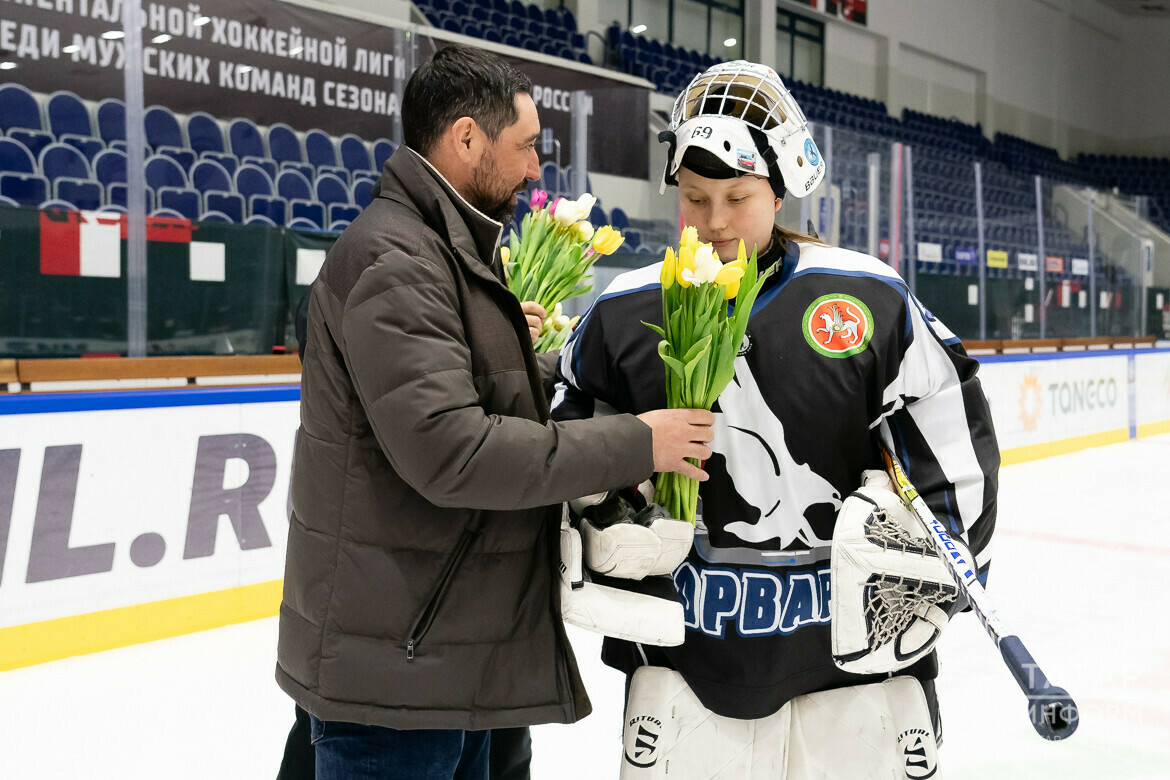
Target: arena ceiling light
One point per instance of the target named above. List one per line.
(113, 35)
(72, 48)
(296, 51)
(202, 20)
(160, 38)
(729, 42)
(7, 65)
(638, 29)
(244, 69)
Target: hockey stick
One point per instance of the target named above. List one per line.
(1052, 711)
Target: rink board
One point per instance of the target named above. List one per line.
(132, 516)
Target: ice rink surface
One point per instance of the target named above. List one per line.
(1082, 552)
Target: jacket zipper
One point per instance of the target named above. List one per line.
(423, 624)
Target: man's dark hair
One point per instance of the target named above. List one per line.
(460, 81)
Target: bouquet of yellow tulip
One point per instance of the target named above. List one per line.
(699, 340)
(549, 261)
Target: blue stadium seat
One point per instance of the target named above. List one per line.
(229, 161)
(116, 195)
(618, 219)
(68, 115)
(184, 157)
(361, 191)
(340, 212)
(230, 204)
(338, 226)
(204, 133)
(251, 180)
(307, 210)
(273, 207)
(25, 188)
(184, 201)
(355, 156)
(15, 157)
(163, 171)
(329, 190)
(260, 219)
(19, 108)
(109, 167)
(284, 145)
(245, 139)
(111, 120)
(167, 213)
(63, 161)
(162, 128)
(319, 149)
(383, 148)
(83, 193)
(217, 217)
(264, 163)
(300, 223)
(8, 202)
(210, 176)
(302, 168)
(57, 205)
(34, 140)
(292, 185)
(87, 145)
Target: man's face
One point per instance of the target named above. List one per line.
(507, 164)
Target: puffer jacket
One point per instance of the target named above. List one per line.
(427, 478)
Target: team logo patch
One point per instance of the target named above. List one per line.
(811, 153)
(838, 325)
(746, 159)
(642, 734)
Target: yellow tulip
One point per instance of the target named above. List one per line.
(728, 274)
(690, 238)
(731, 290)
(686, 263)
(607, 240)
(741, 255)
(668, 264)
(505, 254)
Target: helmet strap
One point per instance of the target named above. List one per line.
(769, 155)
(671, 140)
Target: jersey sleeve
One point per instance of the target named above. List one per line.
(582, 380)
(936, 419)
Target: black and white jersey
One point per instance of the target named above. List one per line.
(838, 356)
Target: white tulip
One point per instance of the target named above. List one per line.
(557, 311)
(707, 267)
(584, 231)
(561, 322)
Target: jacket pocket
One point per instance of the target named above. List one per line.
(426, 618)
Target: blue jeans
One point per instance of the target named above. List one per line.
(351, 751)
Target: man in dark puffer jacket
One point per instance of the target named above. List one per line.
(420, 609)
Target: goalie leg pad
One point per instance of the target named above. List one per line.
(618, 613)
(882, 730)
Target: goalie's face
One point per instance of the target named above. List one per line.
(727, 210)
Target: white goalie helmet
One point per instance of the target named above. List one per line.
(741, 113)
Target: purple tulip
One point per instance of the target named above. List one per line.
(552, 210)
(538, 199)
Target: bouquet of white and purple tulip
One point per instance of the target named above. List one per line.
(699, 340)
(549, 261)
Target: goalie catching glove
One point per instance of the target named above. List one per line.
(891, 595)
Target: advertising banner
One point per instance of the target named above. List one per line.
(1080, 266)
(1034, 402)
(966, 255)
(997, 258)
(1152, 373)
(108, 508)
(929, 253)
(1054, 264)
(1027, 261)
(273, 62)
